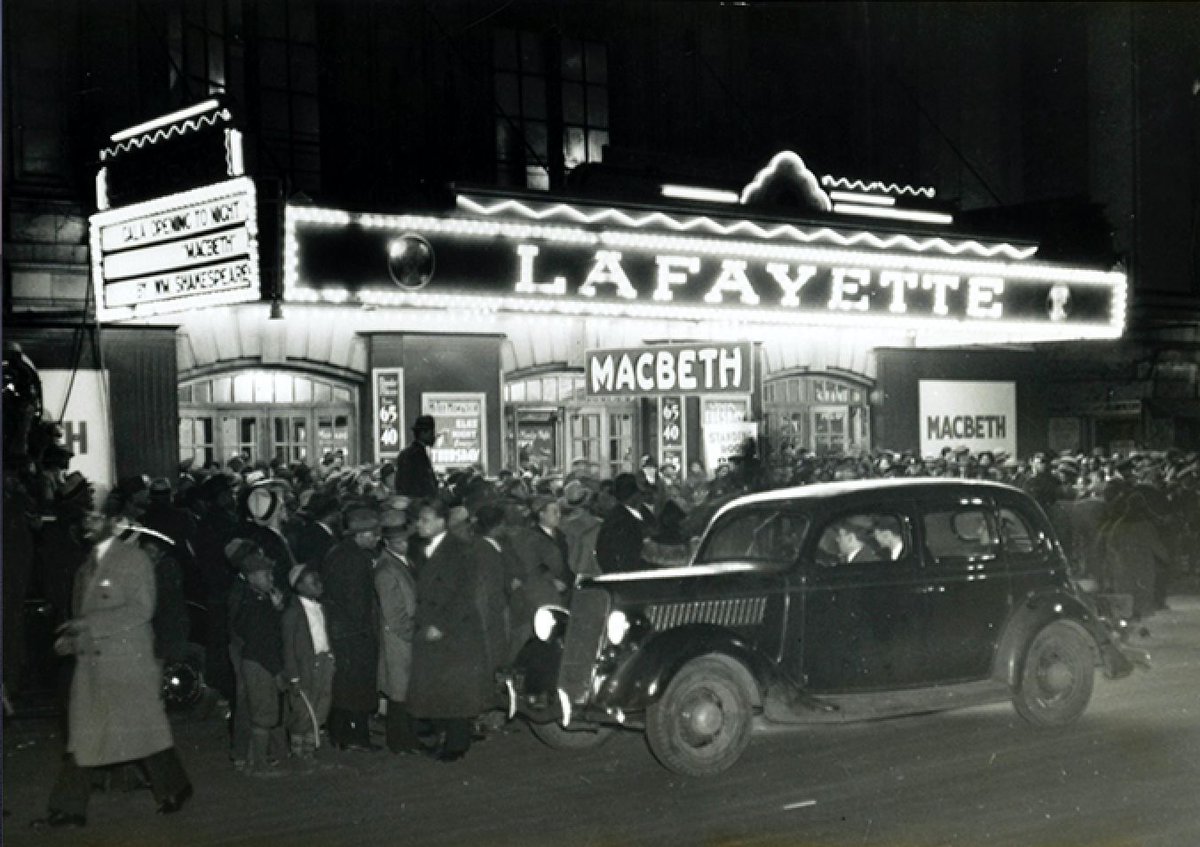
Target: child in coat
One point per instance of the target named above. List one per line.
(307, 662)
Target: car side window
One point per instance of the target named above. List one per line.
(961, 533)
(765, 535)
(1016, 534)
(863, 537)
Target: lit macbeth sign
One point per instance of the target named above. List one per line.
(798, 277)
(686, 368)
(197, 248)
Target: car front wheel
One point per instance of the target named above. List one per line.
(1057, 677)
(701, 725)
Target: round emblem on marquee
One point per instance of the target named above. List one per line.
(1058, 302)
(410, 261)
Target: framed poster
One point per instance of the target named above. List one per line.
(460, 429)
(387, 409)
(86, 421)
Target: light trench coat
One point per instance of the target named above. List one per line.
(116, 712)
(397, 592)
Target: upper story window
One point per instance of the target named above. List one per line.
(551, 99)
(207, 56)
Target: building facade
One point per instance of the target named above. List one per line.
(1019, 122)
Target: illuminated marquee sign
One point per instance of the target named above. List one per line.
(715, 368)
(506, 264)
(194, 249)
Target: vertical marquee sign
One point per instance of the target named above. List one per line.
(671, 448)
(460, 429)
(388, 407)
(192, 249)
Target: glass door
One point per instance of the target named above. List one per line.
(289, 437)
(831, 430)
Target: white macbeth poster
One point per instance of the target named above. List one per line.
(975, 415)
(85, 422)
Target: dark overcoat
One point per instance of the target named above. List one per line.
(299, 655)
(619, 544)
(450, 677)
(414, 472)
(492, 598)
(351, 620)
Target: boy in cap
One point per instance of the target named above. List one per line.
(257, 627)
(307, 662)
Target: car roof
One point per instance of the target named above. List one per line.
(833, 491)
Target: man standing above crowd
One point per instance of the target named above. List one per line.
(414, 470)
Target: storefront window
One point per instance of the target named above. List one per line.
(825, 415)
(266, 414)
(552, 424)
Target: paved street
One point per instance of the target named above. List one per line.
(1128, 775)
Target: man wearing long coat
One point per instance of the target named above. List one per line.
(349, 578)
(451, 684)
(396, 587)
(115, 713)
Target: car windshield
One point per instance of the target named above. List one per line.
(761, 534)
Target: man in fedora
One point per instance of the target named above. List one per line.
(581, 528)
(348, 573)
(414, 470)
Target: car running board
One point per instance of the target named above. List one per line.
(788, 706)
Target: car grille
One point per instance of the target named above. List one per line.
(745, 611)
(585, 631)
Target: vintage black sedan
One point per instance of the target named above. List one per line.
(822, 604)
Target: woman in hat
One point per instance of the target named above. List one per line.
(348, 573)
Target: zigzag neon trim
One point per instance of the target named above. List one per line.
(887, 188)
(190, 125)
(562, 211)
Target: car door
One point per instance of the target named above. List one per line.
(966, 583)
(863, 614)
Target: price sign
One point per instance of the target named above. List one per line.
(388, 405)
(671, 447)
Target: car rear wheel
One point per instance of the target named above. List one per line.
(1057, 677)
(554, 735)
(701, 725)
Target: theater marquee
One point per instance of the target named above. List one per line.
(593, 261)
(196, 248)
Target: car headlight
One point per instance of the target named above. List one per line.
(617, 627)
(545, 621)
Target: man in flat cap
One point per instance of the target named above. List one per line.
(414, 470)
(348, 573)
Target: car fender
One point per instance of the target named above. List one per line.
(643, 676)
(1032, 615)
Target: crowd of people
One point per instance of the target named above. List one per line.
(332, 594)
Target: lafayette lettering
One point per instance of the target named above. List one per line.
(747, 283)
(966, 426)
(702, 369)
